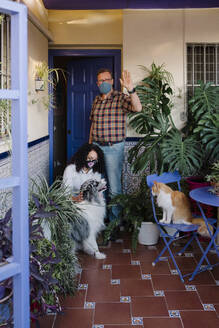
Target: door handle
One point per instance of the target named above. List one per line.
(69, 131)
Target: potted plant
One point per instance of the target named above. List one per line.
(46, 77)
(162, 147)
(213, 177)
(53, 265)
(136, 215)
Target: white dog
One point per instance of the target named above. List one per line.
(93, 209)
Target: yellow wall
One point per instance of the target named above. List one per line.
(86, 27)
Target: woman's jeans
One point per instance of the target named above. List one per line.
(113, 158)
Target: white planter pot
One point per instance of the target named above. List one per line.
(149, 234)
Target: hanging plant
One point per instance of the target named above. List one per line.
(48, 75)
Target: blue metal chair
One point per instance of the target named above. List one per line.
(188, 231)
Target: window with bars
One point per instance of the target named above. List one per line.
(5, 76)
(202, 65)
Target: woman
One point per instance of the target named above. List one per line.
(86, 163)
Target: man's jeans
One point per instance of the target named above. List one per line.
(113, 158)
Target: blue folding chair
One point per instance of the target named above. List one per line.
(188, 231)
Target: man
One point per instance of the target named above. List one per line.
(108, 128)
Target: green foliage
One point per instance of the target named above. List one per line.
(48, 75)
(56, 198)
(183, 154)
(213, 176)
(134, 209)
(163, 147)
(50, 78)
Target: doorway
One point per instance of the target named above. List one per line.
(69, 122)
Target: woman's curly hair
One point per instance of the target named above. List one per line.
(80, 157)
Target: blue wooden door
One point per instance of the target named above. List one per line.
(82, 89)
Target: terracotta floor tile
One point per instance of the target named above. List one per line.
(183, 300)
(112, 313)
(103, 293)
(126, 272)
(184, 263)
(122, 326)
(203, 278)
(76, 301)
(121, 259)
(149, 307)
(135, 287)
(162, 323)
(161, 267)
(208, 294)
(89, 262)
(167, 282)
(216, 306)
(95, 276)
(82, 318)
(145, 255)
(203, 319)
(44, 322)
(215, 272)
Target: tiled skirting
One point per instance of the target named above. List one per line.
(130, 181)
(38, 166)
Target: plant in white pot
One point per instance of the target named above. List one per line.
(136, 215)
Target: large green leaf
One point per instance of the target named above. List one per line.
(182, 155)
(205, 100)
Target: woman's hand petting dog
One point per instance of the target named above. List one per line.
(78, 198)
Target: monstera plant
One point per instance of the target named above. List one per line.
(163, 147)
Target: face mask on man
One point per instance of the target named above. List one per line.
(90, 164)
(105, 88)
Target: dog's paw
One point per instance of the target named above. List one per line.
(100, 256)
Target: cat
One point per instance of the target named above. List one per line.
(176, 208)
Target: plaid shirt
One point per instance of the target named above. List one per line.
(109, 117)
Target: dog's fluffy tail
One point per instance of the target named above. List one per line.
(202, 230)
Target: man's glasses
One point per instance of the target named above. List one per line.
(106, 80)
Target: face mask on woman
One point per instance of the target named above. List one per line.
(90, 164)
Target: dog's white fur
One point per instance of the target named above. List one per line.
(93, 211)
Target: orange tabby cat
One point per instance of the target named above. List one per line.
(176, 207)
